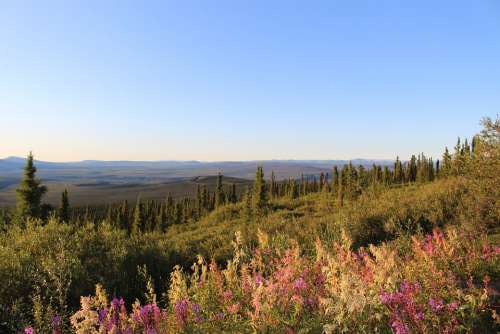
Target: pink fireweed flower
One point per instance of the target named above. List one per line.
(399, 327)
(103, 313)
(452, 306)
(436, 304)
(297, 299)
(29, 330)
(234, 308)
(386, 297)
(227, 295)
(259, 279)
(300, 284)
(196, 308)
(56, 325)
(181, 311)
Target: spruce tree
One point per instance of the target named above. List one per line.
(385, 175)
(124, 215)
(138, 223)
(247, 204)
(29, 193)
(64, 207)
(170, 210)
(303, 185)
(233, 197)
(340, 188)
(446, 164)
(335, 179)
(398, 171)
(219, 192)
(272, 188)
(259, 196)
(199, 202)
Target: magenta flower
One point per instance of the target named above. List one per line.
(181, 311)
(452, 306)
(300, 284)
(399, 327)
(436, 304)
(29, 330)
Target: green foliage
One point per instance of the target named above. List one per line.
(30, 192)
(64, 213)
(46, 266)
(260, 194)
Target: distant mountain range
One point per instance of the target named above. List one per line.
(94, 181)
(171, 169)
(15, 163)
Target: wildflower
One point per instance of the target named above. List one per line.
(300, 284)
(56, 325)
(436, 304)
(196, 308)
(386, 298)
(102, 315)
(29, 330)
(181, 311)
(452, 306)
(297, 299)
(234, 308)
(258, 280)
(399, 327)
(227, 295)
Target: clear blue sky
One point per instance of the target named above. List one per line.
(245, 80)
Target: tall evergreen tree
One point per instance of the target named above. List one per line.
(170, 209)
(233, 197)
(64, 207)
(398, 171)
(125, 216)
(335, 179)
(340, 188)
(259, 197)
(247, 204)
(30, 191)
(386, 175)
(446, 164)
(219, 192)
(138, 223)
(199, 202)
(272, 188)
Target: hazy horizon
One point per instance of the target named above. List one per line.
(245, 81)
(197, 160)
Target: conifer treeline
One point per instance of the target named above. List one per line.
(344, 183)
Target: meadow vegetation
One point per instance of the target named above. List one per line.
(414, 248)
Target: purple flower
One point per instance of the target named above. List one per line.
(386, 297)
(196, 307)
(452, 306)
(29, 330)
(56, 321)
(399, 327)
(102, 315)
(300, 284)
(227, 295)
(181, 311)
(436, 304)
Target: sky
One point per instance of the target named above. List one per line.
(245, 80)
